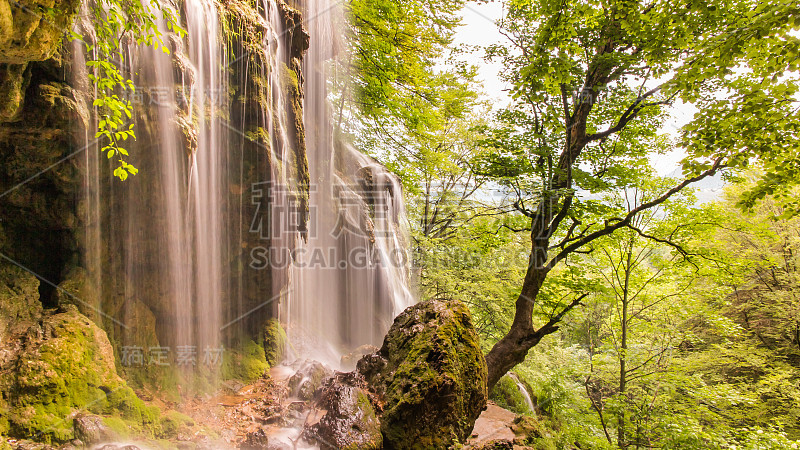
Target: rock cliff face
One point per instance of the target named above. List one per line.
(39, 114)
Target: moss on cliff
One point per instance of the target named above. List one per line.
(19, 300)
(14, 79)
(506, 393)
(246, 363)
(32, 30)
(67, 365)
(275, 342)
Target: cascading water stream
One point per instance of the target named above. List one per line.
(208, 167)
(524, 391)
(155, 244)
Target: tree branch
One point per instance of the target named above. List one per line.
(610, 228)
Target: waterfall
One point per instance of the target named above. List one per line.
(349, 280)
(208, 171)
(524, 391)
(156, 243)
(228, 168)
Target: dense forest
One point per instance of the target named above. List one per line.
(605, 253)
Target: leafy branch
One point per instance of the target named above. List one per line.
(118, 23)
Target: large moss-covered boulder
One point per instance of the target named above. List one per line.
(431, 376)
(66, 365)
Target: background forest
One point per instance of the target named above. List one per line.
(667, 315)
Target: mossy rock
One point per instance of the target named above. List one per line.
(275, 342)
(91, 429)
(431, 375)
(174, 423)
(350, 422)
(530, 431)
(506, 393)
(66, 365)
(246, 363)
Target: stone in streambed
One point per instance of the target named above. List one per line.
(308, 378)
(430, 375)
(350, 421)
(90, 429)
(256, 440)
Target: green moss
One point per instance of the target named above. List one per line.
(13, 83)
(533, 432)
(30, 37)
(275, 342)
(289, 79)
(507, 395)
(70, 369)
(247, 363)
(365, 405)
(118, 426)
(173, 423)
(6, 22)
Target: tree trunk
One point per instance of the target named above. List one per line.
(623, 358)
(513, 347)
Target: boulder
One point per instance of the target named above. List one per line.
(430, 375)
(350, 421)
(309, 377)
(90, 429)
(256, 440)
